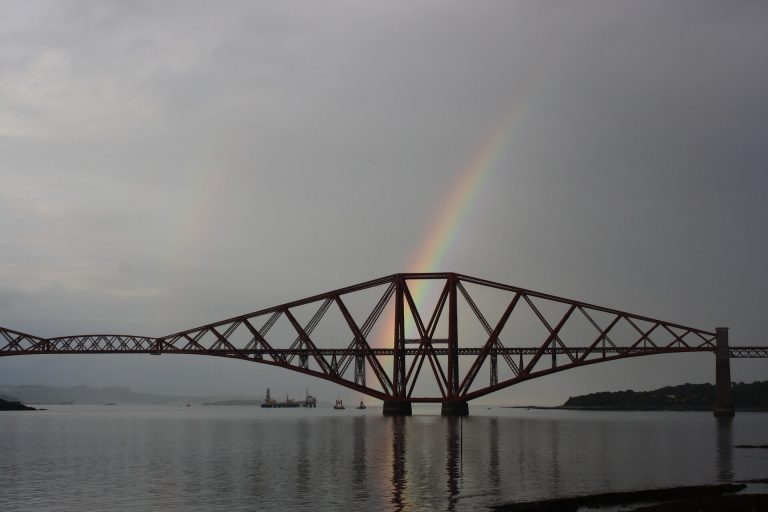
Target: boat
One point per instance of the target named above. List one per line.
(362, 405)
(338, 405)
(268, 401)
(309, 401)
(271, 403)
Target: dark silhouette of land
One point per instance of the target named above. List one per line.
(703, 498)
(746, 397)
(39, 394)
(6, 405)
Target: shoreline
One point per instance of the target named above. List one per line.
(703, 498)
(6, 405)
(627, 409)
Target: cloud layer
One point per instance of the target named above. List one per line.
(168, 164)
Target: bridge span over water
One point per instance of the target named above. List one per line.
(375, 338)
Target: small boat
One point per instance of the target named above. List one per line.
(361, 406)
(338, 405)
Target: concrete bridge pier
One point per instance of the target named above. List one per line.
(397, 408)
(455, 408)
(723, 400)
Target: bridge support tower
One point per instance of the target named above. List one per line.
(399, 405)
(723, 400)
(455, 408)
(397, 408)
(453, 405)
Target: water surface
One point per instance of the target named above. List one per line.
(113, 458)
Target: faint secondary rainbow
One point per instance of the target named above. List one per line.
(446, 224)
(193, 219)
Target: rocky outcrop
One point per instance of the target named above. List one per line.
(14, 406)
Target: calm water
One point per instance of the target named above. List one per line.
(112, 458)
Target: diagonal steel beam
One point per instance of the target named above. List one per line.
(437, 368)
(550, 338)
(307, 341)
(362, 343)
(492, 340)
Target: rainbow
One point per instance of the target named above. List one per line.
(447, 222)
(445, 227)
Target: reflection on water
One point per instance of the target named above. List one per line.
(454, 460)
(359, 460)
(554, 436)
(725, 449)
(239, 459)
(302, 458)
(399, 473)
(493, 452)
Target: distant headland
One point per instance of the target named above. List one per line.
(6, 405)
(53, 395)
(686, 397)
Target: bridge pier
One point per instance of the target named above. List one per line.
(723, 406)
(397, 408)
(454, 408)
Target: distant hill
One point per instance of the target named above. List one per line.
(752, 396)
(90, 395)
(234, 402)
(82, 395)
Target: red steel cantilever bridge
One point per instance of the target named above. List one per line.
(433, 352)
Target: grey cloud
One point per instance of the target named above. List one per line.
(241, 155)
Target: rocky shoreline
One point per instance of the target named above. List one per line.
(14, 406)
(702, 498)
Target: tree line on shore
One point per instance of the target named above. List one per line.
(746, 396)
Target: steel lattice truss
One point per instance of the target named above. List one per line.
(461, 326)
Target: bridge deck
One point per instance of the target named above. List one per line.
(565, 334)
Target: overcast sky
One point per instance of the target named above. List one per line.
(168, 164)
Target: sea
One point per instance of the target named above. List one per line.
(244, 458)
